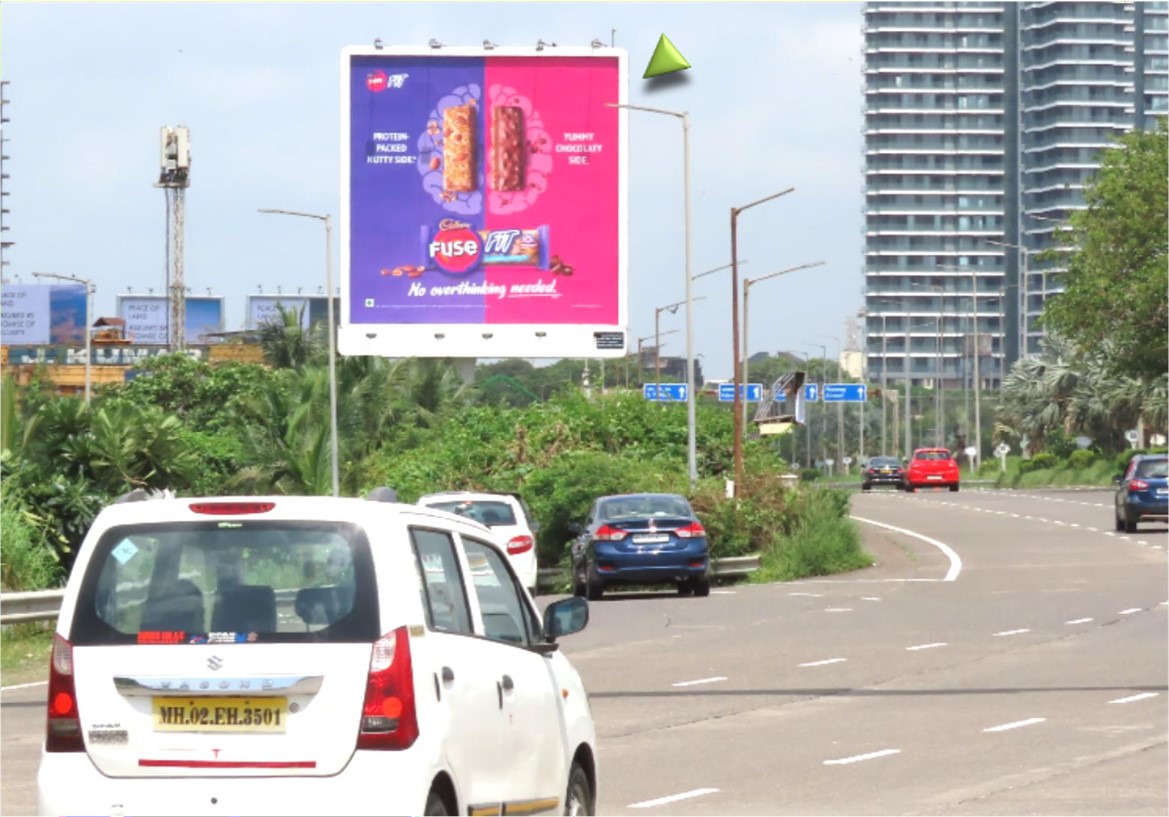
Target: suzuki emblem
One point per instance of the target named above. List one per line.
(215, 662)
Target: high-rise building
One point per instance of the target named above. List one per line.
(983, 121)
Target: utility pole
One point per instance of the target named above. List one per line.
(4, 242)
(174, 178)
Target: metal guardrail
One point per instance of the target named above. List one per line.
(45, 605)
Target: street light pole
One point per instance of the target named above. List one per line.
(88, 323)
(328, 222)
(691, 442)
(747, 282)
(672, 308)
(823, 405)
(738, 421)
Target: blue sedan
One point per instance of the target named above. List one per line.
(640, 539)
(1142, 491)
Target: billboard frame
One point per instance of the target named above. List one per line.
(482, 340)
(122, 297)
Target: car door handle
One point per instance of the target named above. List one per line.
(448, 675)
(508, 684)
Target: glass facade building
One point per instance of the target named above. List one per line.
(982, 123)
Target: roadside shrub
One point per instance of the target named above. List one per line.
(1082, 458)
(26, 560)
(747, 523)
(823, 541)
(1039, 462)
(809, 474)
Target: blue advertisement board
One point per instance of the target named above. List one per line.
(147, 318)
(42, 314)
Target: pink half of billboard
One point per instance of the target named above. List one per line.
(484, 202)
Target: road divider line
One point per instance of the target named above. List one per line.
(955, 559)
(1129, 611)
(822, 663)
(672, 798)
(837, 609)
(1078, 621)
(1132, 698)
(700, 681)
(1014, 632)
(857, 758)
(24, 686)
(927, 646)
(811, 595)
(870, 598)
(1016, 725)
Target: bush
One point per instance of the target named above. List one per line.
(1039, 462)
(1082, 458)
(809, 474)
(746, 524)
(823, 541)
(26, 560)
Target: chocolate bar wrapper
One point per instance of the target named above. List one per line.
(507, 148)
(458, 149)
(516, 247)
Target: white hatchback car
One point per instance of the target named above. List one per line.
(308, 655)
(507, 515)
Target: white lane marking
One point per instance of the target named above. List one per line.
(1109, 533)
(1074, 524)
(1129, 611)
(812, 595)
(1004, 727)
(673, 798)
(1094, 530)
(870, 598)
(24, 686)
(927, 646)
(837, 609)
(1028, 517)
(722, 592)
(822, 663)
(1132, 698)
(700, 681)
(1142, 542)
(1014, 516)
(1014, 632)
(1078, 621)
(955, 559)
(1058, 522)
(857, 758)
(1041, 519)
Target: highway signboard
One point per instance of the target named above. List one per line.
(845, 392)
(811, 392)
(670, 392)
(726, 392)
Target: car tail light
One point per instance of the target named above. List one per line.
(519, 544)
(63, 726)
(1138, 485)
(605, 533)
(231, 508)
(388, 717)
(691, 531)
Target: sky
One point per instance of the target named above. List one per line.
(774, 96)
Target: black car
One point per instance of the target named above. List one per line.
(883, 471)
(640, 539)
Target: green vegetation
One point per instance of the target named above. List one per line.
(822, 541)
(24, 653)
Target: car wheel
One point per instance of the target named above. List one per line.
(1130, 523)
(578, 583)
(684, 588)
(579, 798)
(866, 487)
(593, 587)
(1119, 523)
(954, 488)
(435, 805)
(701, 587)
(909, 489)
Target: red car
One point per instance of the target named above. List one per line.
(930, 468)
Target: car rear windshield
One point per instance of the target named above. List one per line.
(625, 506)
(1152, 469)
(878, 462)
(489, 512)
(932, 455)
(228, 582)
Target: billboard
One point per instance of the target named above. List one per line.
(264, 308)
(147, 318)
(42, 314)
(483, 206)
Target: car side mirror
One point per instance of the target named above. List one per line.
(1116, 480)
(574, 528)
(565, 617)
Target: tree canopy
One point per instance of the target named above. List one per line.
(1117, 282)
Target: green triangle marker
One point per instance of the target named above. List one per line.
(665, 60)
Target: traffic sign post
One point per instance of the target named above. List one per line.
(670, 392)
(1001, 451)
(726, 392)
(845, 392)
(811, 392)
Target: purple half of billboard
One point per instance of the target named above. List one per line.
(147, 319)
(313, 309)
(483, 206)
(42, 314)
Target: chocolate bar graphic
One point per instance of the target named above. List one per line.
(458, 149)
(507, 148)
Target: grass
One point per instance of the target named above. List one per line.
(824, 542)
(24, 653)
(26, 561)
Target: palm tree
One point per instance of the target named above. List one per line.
(287, 344)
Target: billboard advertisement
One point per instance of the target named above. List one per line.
(42, 314)
(483, 204)
(147, 318)
(265, 308)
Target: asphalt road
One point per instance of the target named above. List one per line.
(1015, 661)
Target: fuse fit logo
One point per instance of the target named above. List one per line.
(454, 247)
(458, 248)
(378, 81)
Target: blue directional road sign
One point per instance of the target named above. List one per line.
(811, 392)
(726, 392)
(670, 393)
(845, 392)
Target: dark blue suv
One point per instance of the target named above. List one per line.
(1142, 491)
(640, 539)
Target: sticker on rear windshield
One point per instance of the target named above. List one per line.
(224, 638)
(161, 637)
(124, 552)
